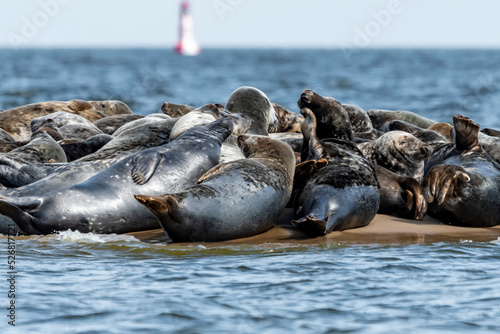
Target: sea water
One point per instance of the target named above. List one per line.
(86, 283)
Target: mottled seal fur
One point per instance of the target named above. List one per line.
(343, 194)
(360, 121)
(175, 110)
(105, 202)
(400, 152)
(233, 200)
(463, 188)
(287, 121)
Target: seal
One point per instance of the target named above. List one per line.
(400, 195)
(175, 110)
(5, 137)
(19, 165)
(77, 149)
(105, 202)
(110, 107)
(428, 136)
(56, 176)
(110, 124)
(253, 105)
(16, 121)
(464, 187)
(333, 119)
(50, 127)
(381, 118)
(149, 118)
(343, 194)
(360, 122)
(200, 116)
(287, 121)
(256, 188)
(487, 131)
(444, 129)
(70, 126)
(400, 152)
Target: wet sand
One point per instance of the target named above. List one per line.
(383, 229)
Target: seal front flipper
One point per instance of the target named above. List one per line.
(145, 167)
(445, 183)
(17, 212)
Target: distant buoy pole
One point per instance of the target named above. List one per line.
(187, 45)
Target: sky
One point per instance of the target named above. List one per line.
(252, 23)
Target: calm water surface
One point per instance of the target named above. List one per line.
(84, 283)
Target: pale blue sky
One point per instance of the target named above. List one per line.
(253, 23)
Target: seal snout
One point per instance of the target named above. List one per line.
(306, 97)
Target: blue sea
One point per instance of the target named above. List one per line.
(86, 283)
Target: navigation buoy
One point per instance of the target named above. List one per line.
(187, 45)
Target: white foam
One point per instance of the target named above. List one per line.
(76, 236)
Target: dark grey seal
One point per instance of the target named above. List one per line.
(233, 200)
(463, 185)
(343, 194)
(56, 176)
(105, 202)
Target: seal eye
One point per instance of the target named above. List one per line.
(103, 105)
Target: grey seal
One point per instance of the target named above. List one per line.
(105, 202)
(463, 186)
(233, 200)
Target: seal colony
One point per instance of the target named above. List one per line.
(227, 171)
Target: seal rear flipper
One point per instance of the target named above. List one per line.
(163, 207)
(145, 167)
(466, 133)
(23, 220)
(312, 226)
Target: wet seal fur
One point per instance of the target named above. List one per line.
(343, 194)
(105, 202)
(55, 176)
(463, 186)
(233, 200)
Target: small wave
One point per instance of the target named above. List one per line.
(76, 236)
